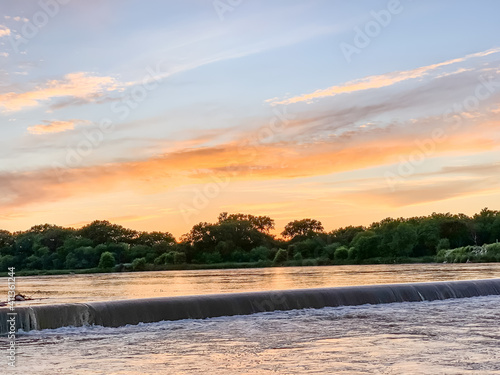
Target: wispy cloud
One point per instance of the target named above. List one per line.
(378, 81)
(55, 126)
(422, 192)
(239, 162)
(78, 85)
(84, 87)
(271, 43)
(16, 18)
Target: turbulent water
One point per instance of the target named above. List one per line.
(459, 336)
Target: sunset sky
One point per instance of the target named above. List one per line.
(157, 115)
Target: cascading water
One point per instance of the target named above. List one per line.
(123, 312)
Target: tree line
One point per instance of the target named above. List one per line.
(238, 239)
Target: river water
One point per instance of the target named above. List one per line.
(105, 287)
(457, 336)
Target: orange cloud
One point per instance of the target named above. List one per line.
(378, 81)
(77, 85)
(232, 162)
(54, 126)
(421, 192)
(4, 31)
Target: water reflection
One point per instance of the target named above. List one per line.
(101, 287)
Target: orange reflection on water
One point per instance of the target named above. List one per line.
(103, 287)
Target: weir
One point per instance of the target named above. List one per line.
(149, 310)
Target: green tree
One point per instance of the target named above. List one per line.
(6, 242)
(281, 256)
(51, 236)
(404, 240)
(139, 264)
(82, 257)
(179, 258)
(263, 224)
(230, 233)
(366, 245)
(300, 229)
(138, 251)
(341, 253)
(308, 248)
(155, 238)
(427, 238)
(329, 250)
(443, 244)
(107, 260)
(71, 243)
(457, 229)
(495, 230)
(7, 261)
(344, 236)
(42, 258)
(102, 231)
(260, 253)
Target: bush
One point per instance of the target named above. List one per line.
(119, 250)
(34, 262)
(82, 257)
(7, 261)
(162, 259)
(443, 244)
(139, 264)
(172, 257)
(428, 259)
(352, 253)
(309, 262)
(341, 253)
(329, 250)
(485, 253)
(211, 258)
(179, 258)
(107, 260)
(139, 251)
(281, 256)
(239, 256)
(309, 248)
(323, 261)
(493, 249)
(260, 253)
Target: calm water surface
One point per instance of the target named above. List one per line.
(103, 287)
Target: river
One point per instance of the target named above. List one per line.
(113, 286)
(455, 336)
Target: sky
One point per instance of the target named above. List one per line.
(159, 115)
